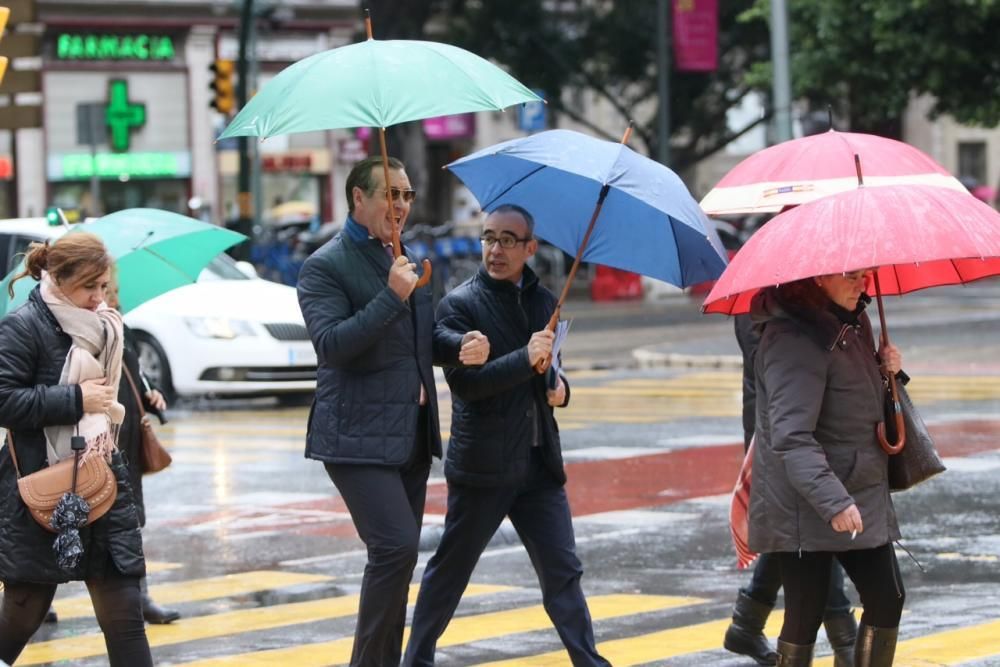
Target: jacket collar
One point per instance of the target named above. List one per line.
(35, 297)
(825, 326)
(529, 280)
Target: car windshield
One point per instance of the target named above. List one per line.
(223, 267)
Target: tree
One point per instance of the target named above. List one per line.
(866, 58)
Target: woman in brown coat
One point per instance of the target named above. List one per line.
(820, 488)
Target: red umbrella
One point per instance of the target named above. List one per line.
(919, 236)
(916, 235)
(803, 170)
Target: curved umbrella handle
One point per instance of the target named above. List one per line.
(426, 275)
(900, 428)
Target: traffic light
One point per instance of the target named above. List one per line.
(222, 83)
(4, 15)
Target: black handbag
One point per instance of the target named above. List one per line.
(919, 460)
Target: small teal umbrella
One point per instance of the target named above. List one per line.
(155, 251)
(377, 83)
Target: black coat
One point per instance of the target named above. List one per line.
(500, 409)
(819, 398)
(31, 398)
(374, 351)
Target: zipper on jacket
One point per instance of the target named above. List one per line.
(840, 336)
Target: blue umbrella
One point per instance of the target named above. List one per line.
(646, 220)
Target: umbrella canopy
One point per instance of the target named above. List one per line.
(376, 83)
(155, 251)
(803, 170)
(649, 222)
(917, 235)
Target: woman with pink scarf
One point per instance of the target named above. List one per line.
(59, 371)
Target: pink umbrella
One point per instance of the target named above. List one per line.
(803, 170)
(916, 235)
(984, 193)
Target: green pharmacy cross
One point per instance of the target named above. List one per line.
(122, 116)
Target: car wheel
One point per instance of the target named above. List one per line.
(154, 364)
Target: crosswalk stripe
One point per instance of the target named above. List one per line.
(461, 630)
(215, 625)
(648, 647)
(200, 589)
(951, 647)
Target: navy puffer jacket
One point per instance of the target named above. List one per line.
(499, 410)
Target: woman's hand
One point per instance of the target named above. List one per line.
(97, 396)
(848, 520)
(156, 399)
(892, 358)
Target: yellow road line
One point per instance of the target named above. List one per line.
(461, 630)
(201, 589)
(215, 625)
(153, 566)
(952, 647)
(649, 647)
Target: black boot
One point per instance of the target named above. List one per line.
(876, 647)
(51, 616)
(745, 635)
(841, 631)
(152, 612)
(794, 655)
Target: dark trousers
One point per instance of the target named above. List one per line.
(118, 606)
(766, 582)
(387, 506)
(805, 577)
(540, 513)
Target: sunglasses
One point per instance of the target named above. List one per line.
(407, 195)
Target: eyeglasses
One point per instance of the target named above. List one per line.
(855, 276)
(506, 241)
(407, 195)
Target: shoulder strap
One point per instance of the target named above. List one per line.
(13, 454)
(135, 391)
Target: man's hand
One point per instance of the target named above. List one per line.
(97, 396)
(557, 396)
(403, 277)
(540, 346)
(848, 520)
(475, 349)
(892, 358)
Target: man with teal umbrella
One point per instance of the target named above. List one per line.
(374, 421)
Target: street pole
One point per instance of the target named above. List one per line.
(244, 198)
(663, 78)
(782, 84)
(94, 122)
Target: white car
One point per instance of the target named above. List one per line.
(228, 334)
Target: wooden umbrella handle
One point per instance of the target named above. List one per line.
(397, 244)
(543, 364)
(888, 447)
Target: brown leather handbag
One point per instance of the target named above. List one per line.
(42, 490)
(153, 456)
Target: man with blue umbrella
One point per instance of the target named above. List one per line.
(374, 422)
(504, 457)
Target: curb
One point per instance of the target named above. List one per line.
(649, 358)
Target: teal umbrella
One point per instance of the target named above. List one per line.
(377, 84)
(155, 251)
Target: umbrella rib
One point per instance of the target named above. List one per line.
(466, 75)
(168, 263)
(514, 185)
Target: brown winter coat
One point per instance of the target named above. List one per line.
(820, 396)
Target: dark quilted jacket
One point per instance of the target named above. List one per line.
(34, 349)
(374, 351)
(499, 410)
(819, 398)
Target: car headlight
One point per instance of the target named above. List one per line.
(219, 327)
